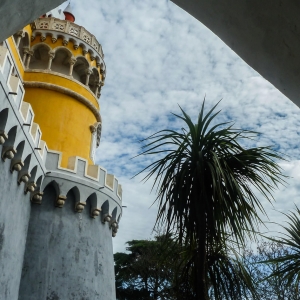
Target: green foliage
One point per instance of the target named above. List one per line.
(289, 262)
(151, 270)
(205, 189)
(268, 284)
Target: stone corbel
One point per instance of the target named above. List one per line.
(96, 128)
(32, 37)
(114, 226)
(16, 165)
(65, 42)
(84, 51)
(60, 202)
(79, 206)
(3, 137)
(106, 218)
(30, 187)
(8, 152)
(43, 37)
(37, 197)
(54, 38)
(95, 212)
(23, 177)
(93, 128)
(75, 46)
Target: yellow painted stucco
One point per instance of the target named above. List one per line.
(62, 81)
(64, 122)
(16, 57)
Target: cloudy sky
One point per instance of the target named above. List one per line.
(157, 56)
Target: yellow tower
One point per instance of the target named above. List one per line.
(64, 73)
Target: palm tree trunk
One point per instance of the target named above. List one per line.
(200, 260)
(200, 264)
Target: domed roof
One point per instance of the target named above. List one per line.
(69, 13)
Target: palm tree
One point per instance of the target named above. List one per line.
(205, 181)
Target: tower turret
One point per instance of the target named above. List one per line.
(68, 12)
(59, 211)
(65, 72)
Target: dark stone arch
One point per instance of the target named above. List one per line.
(91, 206)
(3, 121)
(33, 173)
(11, 136)
(80, 69)
(54, 185)
(40, 56)
(114, 214)
(39, 182)
(105, 207)
(61, 60)
(94, 80)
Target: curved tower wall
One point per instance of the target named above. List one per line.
(22, 169)
(69, 248)
(58, 211)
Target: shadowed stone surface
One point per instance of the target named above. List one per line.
(68, 255)
(14, 217)
(14, 15)
(265, 34)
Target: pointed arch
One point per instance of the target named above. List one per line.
(40, 58)
(19, 154)
(3, 119)
(55, 186)
(22, 41)
(94, 80)
(39, 182)
(75, 192)
(11, 136)
(61, 60)
(33, 173)
(80, 69)
(119, 218)
(105, 207)
(114, 214)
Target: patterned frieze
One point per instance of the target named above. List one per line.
(56, 27)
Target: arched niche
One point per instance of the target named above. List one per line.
(80, 69)
(94, 80)
(61, 61)
(22, 41)
(74, 191)
(53, 189)
(3, 119)
(40, 58)
(114, 214)
(11, 136)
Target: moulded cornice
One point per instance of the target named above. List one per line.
(63, 90)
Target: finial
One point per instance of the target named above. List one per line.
(68, 12)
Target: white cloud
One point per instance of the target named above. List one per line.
(157, 56)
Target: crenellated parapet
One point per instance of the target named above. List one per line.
(26, 154)
(20, 137)
(89, 183)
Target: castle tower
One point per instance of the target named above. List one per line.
(58, 211)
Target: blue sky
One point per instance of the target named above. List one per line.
(158, 57)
